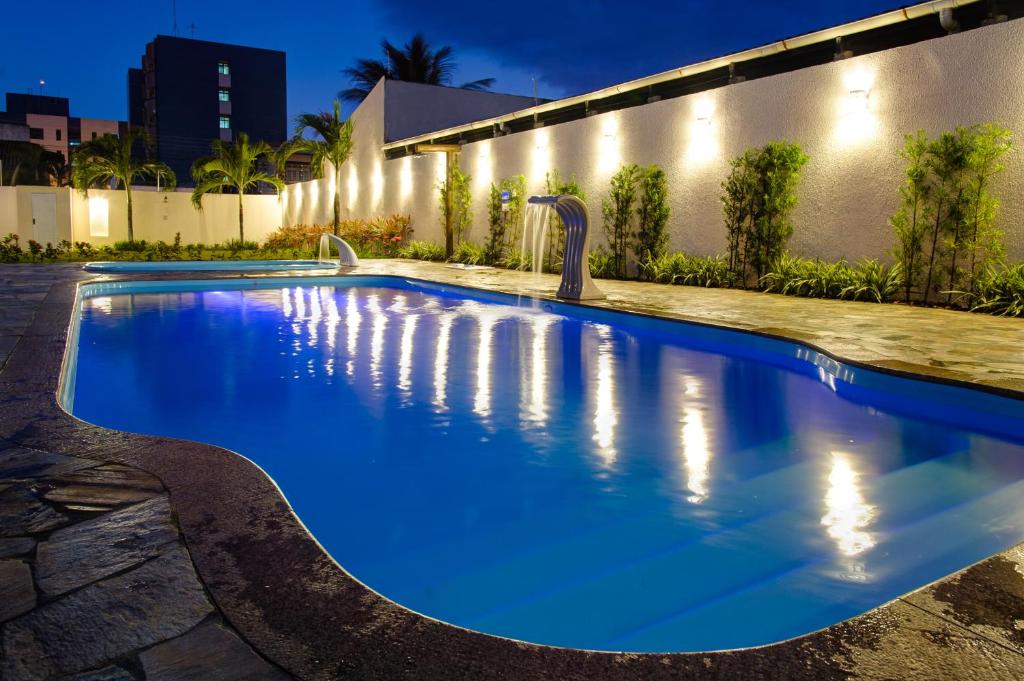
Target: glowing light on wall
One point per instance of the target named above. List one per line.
(540, 162)
(444, 336)
(693, 441)
(99, 216)
(405, 178)
(609, 155)
(440, 167)
(353, 186)
(605, 413)
(702, 142)
(847, 513)
(377, 185)
(857, 122)
(483, 173)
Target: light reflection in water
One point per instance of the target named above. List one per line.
(353, 319)
(333, 319)
(405, 356)
(380, 322)
(315, 313)
(482, 401)
(102, 303)
(847, 515)
(693, 441)
(444, 335)
(286, 302)
(536, 397)
(605, 415)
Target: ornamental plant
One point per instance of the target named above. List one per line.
(758, 197)
(504, 225)
(456, 214)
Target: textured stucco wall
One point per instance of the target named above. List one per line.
(848, 189)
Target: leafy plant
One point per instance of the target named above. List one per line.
(469, 253)
(503, 225)
(869, 280)
(680, 268)
(233, 165)
(759, 195)
(652, 214)
(10, 249)
(874, 282)
(617, 211)
(1000, 291)
(601, 264)
(111, 160)
(517, 260)
(945, 227)
(422, 250)
(456, 206)
(380, 236)
(333, 144)
(296, 236)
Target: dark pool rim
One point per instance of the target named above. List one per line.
(201, 266)
(247, 543)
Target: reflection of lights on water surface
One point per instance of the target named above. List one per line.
(693, 441)
(847, 513)
(605, 416)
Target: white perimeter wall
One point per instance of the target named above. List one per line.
(158, 215)
(848, 188)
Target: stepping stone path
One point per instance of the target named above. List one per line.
(96, 583)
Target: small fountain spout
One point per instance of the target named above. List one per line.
(576, 283)
(346, 255)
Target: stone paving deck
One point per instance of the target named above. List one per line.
(128, 557)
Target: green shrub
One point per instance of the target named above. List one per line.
(652, 214)
(874, 282)
(617, 211)
(516, 260)
(130, 246)
(1000, 291)
(422, 250)
(945, 225)
(456, 206)
(601, 264)
(10, 249)
(503, 225)
(869, 280)
(468, 253)
(680, 268)
(759, 195)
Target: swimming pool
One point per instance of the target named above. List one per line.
(561, 474)
(208, 266)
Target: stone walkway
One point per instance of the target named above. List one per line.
(96, 583)
(126, 557)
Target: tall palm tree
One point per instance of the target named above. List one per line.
(109, 159)
(232, 166)
(333, 144)
(417, 62)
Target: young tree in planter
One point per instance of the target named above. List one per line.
(108, 159)
(760, 193)
(617, 214)
(460, 206)
(652, 213)
(911, 219)
(503, 221)
(333, 145)
(233, 165)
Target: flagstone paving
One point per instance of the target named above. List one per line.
(120, 560)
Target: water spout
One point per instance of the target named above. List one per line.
(346, 256)
(576, 283)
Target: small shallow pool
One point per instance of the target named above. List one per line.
(208, 266)
(561, 474)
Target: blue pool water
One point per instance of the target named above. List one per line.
(207, 266)
(564, 475)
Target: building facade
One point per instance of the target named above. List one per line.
(188, 93)
(50, 124)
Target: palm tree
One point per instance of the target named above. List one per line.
(232, 166)
(334, 144)
(417, 62)
(109, 159)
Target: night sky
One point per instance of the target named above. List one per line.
(83, 50)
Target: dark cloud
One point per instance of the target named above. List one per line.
(577, 46)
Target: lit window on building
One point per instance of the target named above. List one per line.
(223, 68)
(224, 95)
(225, 122)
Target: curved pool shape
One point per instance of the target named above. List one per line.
(208, 266)
(561, 474)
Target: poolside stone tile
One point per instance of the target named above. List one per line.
(90, 550)
(22, 512)
(111, 673)
(207, 653)
(17, 595)
(106, 620)
(19, 462)
(987, 598)
(16, 546)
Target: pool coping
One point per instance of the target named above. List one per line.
(296, 605)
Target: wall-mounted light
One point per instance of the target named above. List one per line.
(702, 138)
(703, 112)
(857, 121)
(858, 99)
(609, 155)
(541, 162)
(353, 186)
(99, 216)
